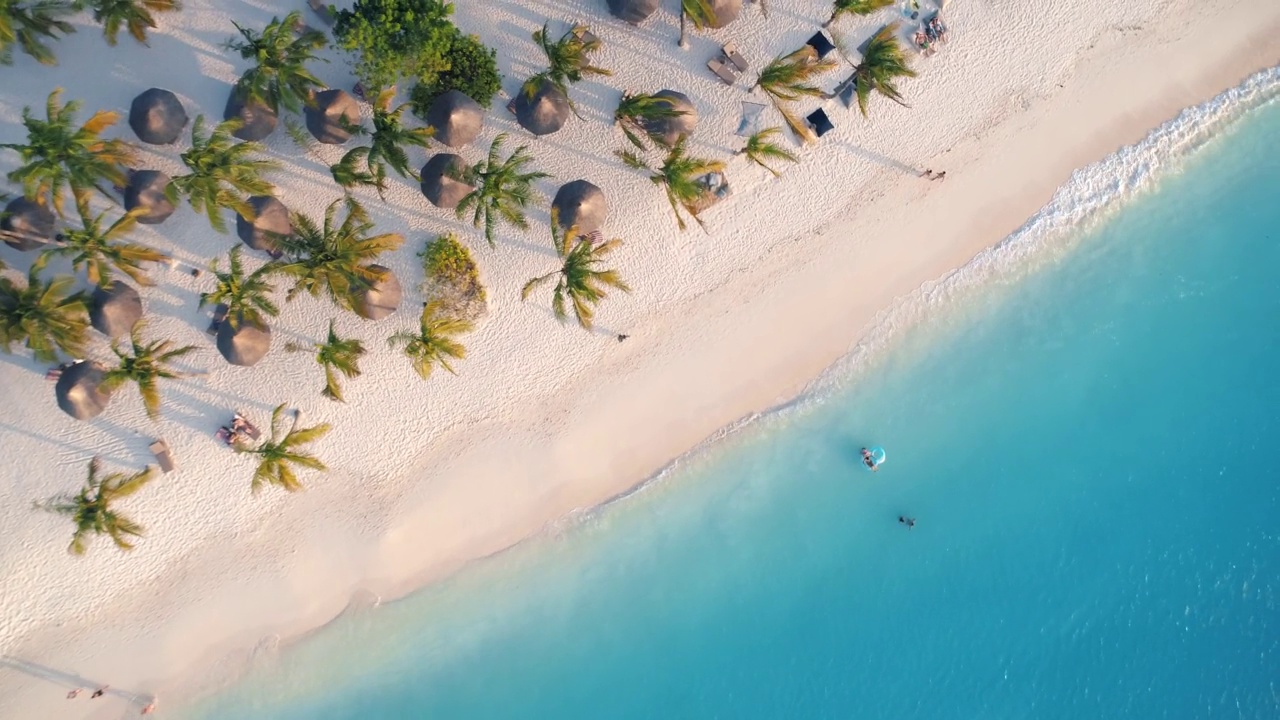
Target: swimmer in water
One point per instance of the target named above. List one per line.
(909, 522)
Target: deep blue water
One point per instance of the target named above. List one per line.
(1090, 452)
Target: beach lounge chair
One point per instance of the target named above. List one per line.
(164, 458)
(731, 53)
(725, 72)
(219, 314)
(750, 122)
(820, 123)
(821, 43)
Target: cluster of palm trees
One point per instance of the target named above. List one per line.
(29, 25)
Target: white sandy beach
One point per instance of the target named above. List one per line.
(542, 419)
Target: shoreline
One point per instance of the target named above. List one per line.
(491, 491)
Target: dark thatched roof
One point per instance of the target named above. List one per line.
(382, 299)
(26, 225)
(270, 223)
(440, 181)
(674, 129)
(331, 115)
(582, 205)
(545, 111)
(259, 120)
(157, 117)
(633, 11)
(456, 119)
(244, 345)
(79, 391)
(726, 11)
(115, 309)
(146, 190)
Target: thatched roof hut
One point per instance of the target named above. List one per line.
(674, 129)
(146, 190)
(725, 11)
(582, 205)
(115, 309)
(545, 111)
(331, 115)
(456, 119)
(440, 181)
(79, 390)
(157, 117)
(633, 11)
(259, 120)
(26, 225)
(382, 299)
(270, 223)
(246, 344)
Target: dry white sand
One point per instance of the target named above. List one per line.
(541, 419)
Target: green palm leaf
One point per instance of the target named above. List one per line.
(91, 509)
(883, 62)
(98, 252)
(278, 453)
(760, 147)
(222, 173)
(28, 24)
(638, 114)
(580, 277)
(247, 297)
(134, 16)
(789, 78)
(46, 316)
(336, 257)
(433, 343)
(503, 189)
(336, 356)
(855, 7)
(280, 54)
(144, 364)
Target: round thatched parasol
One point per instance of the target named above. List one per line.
(270, 223)
(725, 11)
(115, 309)
(146, 190)
(331, 114)
(440, 181)
(674, 129)
(26, 225)
(545, 111)
(382, 299)
(582, 205)
(157, 117)
(456, 118)
(633, 11)
(246, 344)
(259, 120)
(79, 390)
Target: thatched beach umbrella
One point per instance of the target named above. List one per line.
(270, 222)
(331, 115)
(382, 299)
(633, 11)
(582, 205)
(545, 111)
(246, 344)
(115, 309)
(440, 181)
(146, 190)
(725, 11)
(674, 129)
(26, 225)
(456, 119)
(157, 117)
(79, 390)
(259, 120)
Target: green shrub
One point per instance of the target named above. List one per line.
(473, 71)
(394, 39)
(452, 278)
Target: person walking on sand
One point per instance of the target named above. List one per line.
(939, 176)
(927, 174)
(74, 693)
(99, 692)
(149, 708)
(622, 337)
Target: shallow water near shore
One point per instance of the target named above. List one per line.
(1088, 453)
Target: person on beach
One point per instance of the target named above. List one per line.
(149, 708)
(927, 174)
(939, 176)
(74, 693)
(99, 692)
(909, 522)
(622, 337)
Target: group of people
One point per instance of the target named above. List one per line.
(930, 34)
(869, 460)
(146, 709)
(240, 431)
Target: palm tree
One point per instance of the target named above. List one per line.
(91, 507)
(247, 297)
(279, 75)
(335, 257)
(280, 453)
(566, 58)
(760, 147)
(47, 316)
(433, 343)
(28, 24)
(502, 189)
(855, 7)
(144, 364)
(335, 355)
(132, 15)
(699, 12)
(883, 61)
(353, 170)
(787, 79)
(58, 155)
(222, 173)
(679, 176)
(388, 141)
(637, 113)
(98, 251)
(578, 276)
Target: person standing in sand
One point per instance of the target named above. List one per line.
(74, 693)
(99, 692)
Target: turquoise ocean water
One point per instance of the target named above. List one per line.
(1086, 427)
